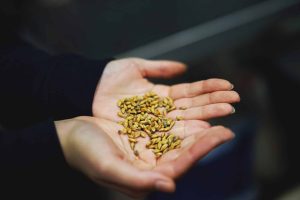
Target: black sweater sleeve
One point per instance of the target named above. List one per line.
(35, 85)
(32, 165)
(37, 89)
(29, 147)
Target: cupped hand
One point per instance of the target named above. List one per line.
(90, 146)
(127, 77)
(203, 99)
(94, 147)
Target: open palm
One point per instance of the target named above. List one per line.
(203, 99)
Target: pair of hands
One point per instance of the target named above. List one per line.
(93, 146)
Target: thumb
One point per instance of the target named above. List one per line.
(160, 68)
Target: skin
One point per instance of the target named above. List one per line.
(93, 146)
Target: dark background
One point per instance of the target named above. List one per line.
(253, 43)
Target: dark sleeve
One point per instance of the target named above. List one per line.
(35, 85)
(30, 147)
(32, 165)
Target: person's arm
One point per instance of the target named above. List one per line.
(31, 146)
(35, 85)
(79, 143)
(94, 147)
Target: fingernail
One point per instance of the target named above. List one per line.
(233, 110)
(161, 185)
(232, 86)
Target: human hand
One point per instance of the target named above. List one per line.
(90, 146)
(94, 147)
(203, 99)
(127, 77)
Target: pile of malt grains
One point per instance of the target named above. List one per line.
(146, 116)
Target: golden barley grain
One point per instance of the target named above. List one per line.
(132, 140)
(164, 147)
(179, 118)
(147, 115)
(156, 151)
(136, 153)
(143, 134)
(159, 145)
(159, 154)
(137, 134)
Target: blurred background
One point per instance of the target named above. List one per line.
(253, 43)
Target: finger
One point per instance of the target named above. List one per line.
(160, 68)
(187, 90)
(202, 146)
(121, 173)
(186, 128)
(209, 98)
(203, 112)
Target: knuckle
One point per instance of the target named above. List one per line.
(211, 98)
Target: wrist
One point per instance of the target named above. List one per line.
(68, 132)
(63, 130)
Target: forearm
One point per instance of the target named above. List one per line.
(30, 147)
(37, 85)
